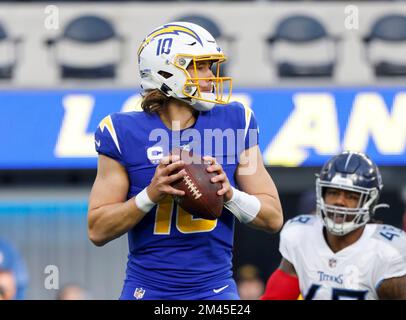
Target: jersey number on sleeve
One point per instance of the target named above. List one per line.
(389, 232)
(185, 222)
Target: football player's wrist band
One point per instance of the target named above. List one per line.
(143, 202)
(243, 205)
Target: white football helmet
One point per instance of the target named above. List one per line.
(164, 56)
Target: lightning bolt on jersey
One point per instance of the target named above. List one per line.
(354, 272)
(169, 248)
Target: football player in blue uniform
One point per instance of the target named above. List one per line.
(173, 254)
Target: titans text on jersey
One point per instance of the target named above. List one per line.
(354, 272)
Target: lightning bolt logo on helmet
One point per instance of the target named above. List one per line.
(163, 65)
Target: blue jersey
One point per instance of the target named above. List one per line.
(170, 250)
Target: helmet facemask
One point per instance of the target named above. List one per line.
(342, 220)
(221, 86)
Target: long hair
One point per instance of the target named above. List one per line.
(154, 100)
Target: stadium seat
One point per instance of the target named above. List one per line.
(301, 47)
(386, 45)
(8, 53)
(224, 41)
(89, 48)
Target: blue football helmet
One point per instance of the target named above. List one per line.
(355, 172)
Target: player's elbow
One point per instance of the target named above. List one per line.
(95, 235)
(96, 238)
(274, 222)
(271, 216)
(275, 225)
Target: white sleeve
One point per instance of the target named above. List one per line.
(396, 267)
(394, 260)
(293, 234)
(286, 247)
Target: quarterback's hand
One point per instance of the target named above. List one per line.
(221, 177)
(160, 184)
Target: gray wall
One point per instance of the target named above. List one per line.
(249, 22)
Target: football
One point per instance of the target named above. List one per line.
(201, 198)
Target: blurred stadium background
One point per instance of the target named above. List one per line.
(320, 76)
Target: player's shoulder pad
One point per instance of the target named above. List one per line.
(302, 220)
(115, 124)
(108, 129)
(235, 108)
(294, 228)
(246, 117)
(391, 238)
(245, 111)
(111, 130)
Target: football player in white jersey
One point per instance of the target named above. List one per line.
(335, 254)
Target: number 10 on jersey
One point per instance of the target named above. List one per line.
(185, 222)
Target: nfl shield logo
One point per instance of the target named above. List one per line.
(139, 293)
(332, 263)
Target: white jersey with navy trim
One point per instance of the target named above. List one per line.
(352, 273)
